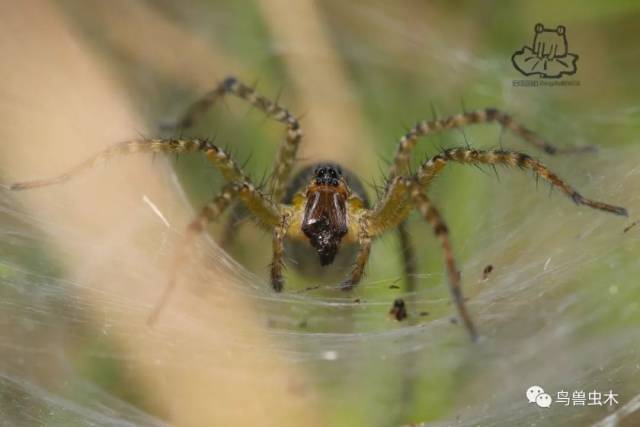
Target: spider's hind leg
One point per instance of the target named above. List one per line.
(401, 197)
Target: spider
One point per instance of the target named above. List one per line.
(324, 205)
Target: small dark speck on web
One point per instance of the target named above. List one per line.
(394, 287)
(486, 272)
(424, 313)
(630, 226)
(310, 288)
(399, 310)
(357, 300)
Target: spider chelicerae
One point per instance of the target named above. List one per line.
(324, 204)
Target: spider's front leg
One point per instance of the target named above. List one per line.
(218, 157)
(260, 205)
(364, 242)
(430, 169)
(280, 232)
(487, 115)
(288, 149)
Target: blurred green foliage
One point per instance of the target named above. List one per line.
(398, 77)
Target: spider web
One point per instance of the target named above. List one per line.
(560, 308)
(540, 312)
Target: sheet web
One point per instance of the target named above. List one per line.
(560, 308)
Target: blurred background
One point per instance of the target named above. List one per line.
(82, 264)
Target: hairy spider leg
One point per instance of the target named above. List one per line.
(408, 141)
(267, 212)
(288, 149)
(487, 115)
(208, 214)
(116, 150)
(364, 249)
(402, 194)
(392, 208)
(441, 231)
(277, 264)
(427, 172)
(408, 257)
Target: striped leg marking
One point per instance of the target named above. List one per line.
(208, 214)
(391, 209)
(277, 264)
(432, 167)
(288, 149)
(487, 115)
(266, 210)
(364, 240)
(441, 231)
(149, 146)
(408, 257)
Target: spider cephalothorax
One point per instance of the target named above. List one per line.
(303, 254)
(325, 213)
(318, 205)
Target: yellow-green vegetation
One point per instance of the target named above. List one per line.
(561, 308)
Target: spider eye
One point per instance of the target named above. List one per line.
(327, 175)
